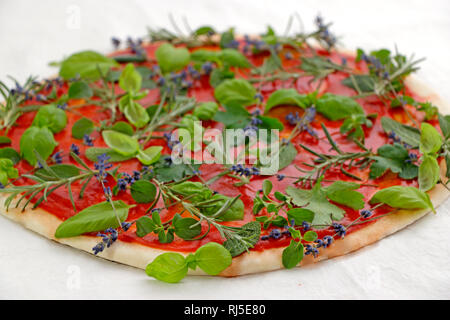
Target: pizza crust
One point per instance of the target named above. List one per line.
(137, 255)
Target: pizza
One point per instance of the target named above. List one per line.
(220, 154)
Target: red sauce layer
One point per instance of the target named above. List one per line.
(59, 204)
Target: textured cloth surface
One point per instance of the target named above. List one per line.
(412, 263)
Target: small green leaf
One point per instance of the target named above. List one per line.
(267, 187)
(97, 217)
(130, 80)
(206, 110)
(212, 258)
(11, 154)
(135, 113)
(39, 139)
(187, 228)
(86, 64)
(170, 58)
(93, 154)
(429, 171)
(310, 236)
(81, 127)
(60, 170)
(121, 143)
(4, 140)
(144, 226)
(149, 155)
(80, 90)
(292, 255)
(406, 133)
(143, 191)
(286, 96)
(169, 267)
(51, 117)
(430, 139)
(336, 107)
(235, 90)
(403, 198)
(300, 215)
(123, 127)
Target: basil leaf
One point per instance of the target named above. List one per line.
(143, 191)
(392, 157)
(336, 107)
(286, 96)
(173, 172)
(169, 267)
(185, 229)
(212, 258)
(444, 123)
(149, 155)
(287, 155)
(11, 154)
(220, 75)
(121, 143)
(403, 198)
(235, 116)
(430, 139)
(80, 90)
(292, 255)
(235, 90)
(130, 80)
(51, 117)
(429, 171)
(7, 171)
(267, 187)
(97, 217)
(406, 133)
(170, 58)
(39, 139)
(93, 154)
(86, 64)
(81, 127)
(196, 191)
(206, 110)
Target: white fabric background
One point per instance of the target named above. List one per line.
(413, 263)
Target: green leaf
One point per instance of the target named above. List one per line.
(406, 133)
(143, 191)
(144, 226)
(286, 96)
(430, 139)
(220, 75)
(287, 155)
(93, 154)
(343, 193)
(81, 127)
(173, 172)
(130, 80)
(392, 157)
(365, 83)
(121, 143)
(444, 123)
(429, 173)
(212, 258)
(123, 127)
(51, 117)
(60, 170)
(316, 201)
(86, 64)
(80, 90)
(310, 236)
(170, 58)
(149, 155)
(11, 154)
(39, 139)
(233, 58)
(7, 171)
(336, 107)
(187, 228)
(97, 217)
(403, 198)
(300, 215)
(169, 267)
(235, 90)
(4, 140)
(196, 191)
(235, 212)
(135, 113)
(250, 232)
(292, 255)
(206, 110)
(235, 116)
(267, 187)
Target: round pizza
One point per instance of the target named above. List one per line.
(218, 154)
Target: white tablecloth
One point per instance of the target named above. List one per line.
(413, 263)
